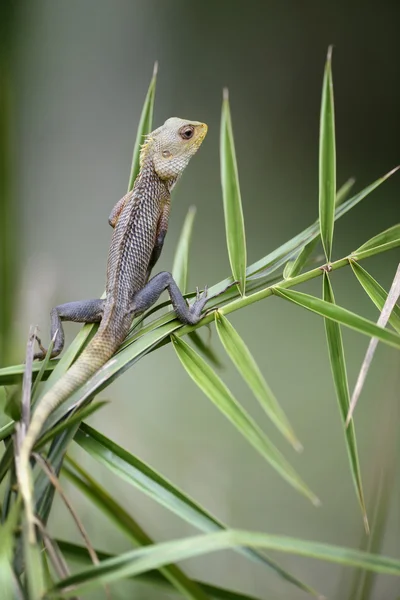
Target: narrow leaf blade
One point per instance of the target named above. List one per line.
(339, 314)
(234, 222)
(339, 373)
(376, 292)
(144, 127)
(327, 160)
(181, 260)
(214, 388)
(142, 560)
(153, 484)
(248, 368)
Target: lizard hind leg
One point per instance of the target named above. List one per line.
(83, 311)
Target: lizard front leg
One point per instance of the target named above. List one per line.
(83, 311)
(146, 297)
(116, 211)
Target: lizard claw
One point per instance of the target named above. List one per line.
(43, 351)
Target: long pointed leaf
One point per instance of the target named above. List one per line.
(248, 368)
(234, 222)
(214, 388)
(144, 127)
(181, 260)
(114, 511)
(79, 554)
(327, 160)
(376, 292)
(145, 559)
(147, 480)
(339, 372)
(339, 314)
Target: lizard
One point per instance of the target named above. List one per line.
(139, 221)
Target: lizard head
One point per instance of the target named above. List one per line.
(171, 146)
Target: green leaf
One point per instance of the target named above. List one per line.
(7, 543)
(214, 388)
(327, 160)
(339, 372)
(344, 191)
(137, 473)
(79, 554)
(144, 559)
(114, 511)
(33, 567)
(269, 263)
(248, 368)
(204, 349)
(386, 240)
(181, 260)
(294, 267)
(376, 292)
(144, 127)
(234, 223)
(339, 314)
(43, 368)
(72, 420)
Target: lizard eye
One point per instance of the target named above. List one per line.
(186, 132)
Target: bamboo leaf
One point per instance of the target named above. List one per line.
(144, 559)
(129, 527)
(339, 373)
(327, 160)
(214, 388)
(79, 554)
(295, 266)
(147, 480)
(339, 314)
(181, 260)
(75, 418)
(234, 223)
(376, 292)
(7, 543)
(386, 240)
(269, 263)
(33, 567)
(248, 368)
(144, 127)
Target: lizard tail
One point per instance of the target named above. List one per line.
(92, 358)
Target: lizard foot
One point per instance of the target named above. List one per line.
(40, 355)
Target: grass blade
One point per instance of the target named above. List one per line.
(129, 527)
(339, 314)
(376, 292)
(214, 388)
(288, 250)
(34, 571)
(339, 373)
(390, 238)
(390, 303)
(7, 543)
(79, 554)
(139, 474)
(234, 222)
(248, 368)
(327, 160)
(142, 560)
(181, 259)
(144, 127)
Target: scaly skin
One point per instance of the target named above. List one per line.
(140, 221)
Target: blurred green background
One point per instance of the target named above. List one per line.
(79, 73)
